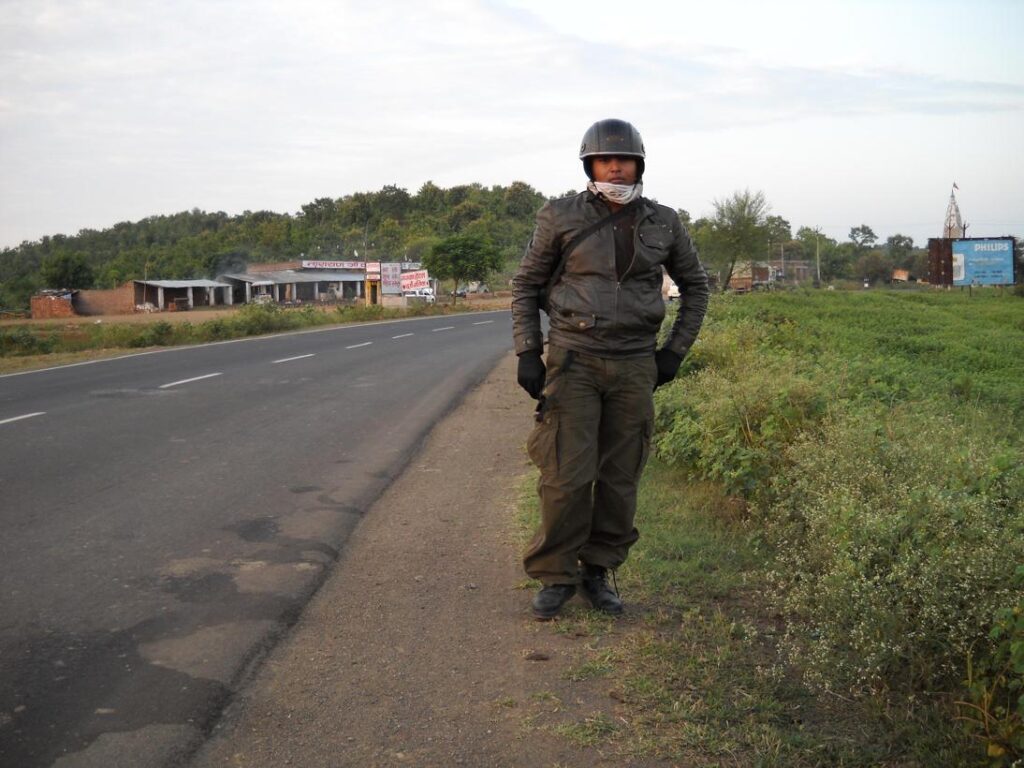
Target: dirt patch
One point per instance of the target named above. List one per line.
(419, 649)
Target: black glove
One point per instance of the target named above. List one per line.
(531, 373)
(668, 363)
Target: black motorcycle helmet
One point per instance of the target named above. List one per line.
(612, 137)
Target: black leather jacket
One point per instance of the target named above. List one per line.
(591, 310)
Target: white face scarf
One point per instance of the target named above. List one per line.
(616, 193)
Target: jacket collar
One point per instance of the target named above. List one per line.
(644, 209)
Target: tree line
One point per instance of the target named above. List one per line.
(443, 227)
(494, 223)
(742, 229)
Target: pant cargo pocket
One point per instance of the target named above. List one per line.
(542, 444)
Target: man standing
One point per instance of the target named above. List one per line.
(595, 265)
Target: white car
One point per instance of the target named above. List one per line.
(427, 294)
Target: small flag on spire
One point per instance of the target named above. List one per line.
(955, 186)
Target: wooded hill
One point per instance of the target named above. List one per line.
(389, 225)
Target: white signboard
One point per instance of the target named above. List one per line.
(373, 269)
(413, 280)
(411, 266)
(391, 277)
(333, 264)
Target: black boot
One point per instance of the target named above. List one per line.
(594, 585)
(549, 601)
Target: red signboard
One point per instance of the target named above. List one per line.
(413, 280)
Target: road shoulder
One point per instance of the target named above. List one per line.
(419, 648)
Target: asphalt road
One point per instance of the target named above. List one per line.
(165, 517)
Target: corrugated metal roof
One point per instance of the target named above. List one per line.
(252, 279)
(286, 277)
(184, 283)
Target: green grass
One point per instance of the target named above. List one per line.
(830, 528)
(696, 667)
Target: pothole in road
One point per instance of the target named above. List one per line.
(256, 529)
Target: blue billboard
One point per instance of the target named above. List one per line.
(983, 262)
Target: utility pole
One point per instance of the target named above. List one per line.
(817, 256)
(782, 250)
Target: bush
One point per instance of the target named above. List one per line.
(254, 319)
(217, 329)
(159, 334)
(23, 341)
(995, 687)
(876, 439)
(733, 430)
(894, 532)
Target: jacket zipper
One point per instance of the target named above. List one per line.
(620, 280)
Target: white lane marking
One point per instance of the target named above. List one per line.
(297, 357)
(402, 335)
(24, 416)
(446, 328)
(356, 346)
(187, 381)
(483, 322)
(186, 347)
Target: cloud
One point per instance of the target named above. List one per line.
(268, 104)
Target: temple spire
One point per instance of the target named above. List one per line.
(954, 226)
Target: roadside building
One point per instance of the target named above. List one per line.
(309, 280)
(293, 286)
(181, 294)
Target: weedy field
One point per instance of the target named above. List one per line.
(832, 532)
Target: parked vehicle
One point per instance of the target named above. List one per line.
(426, 294)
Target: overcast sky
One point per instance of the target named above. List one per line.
(844, 112)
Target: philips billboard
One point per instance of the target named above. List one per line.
(983, 262)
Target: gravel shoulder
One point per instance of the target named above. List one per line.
(419, 648)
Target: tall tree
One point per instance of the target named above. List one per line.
(67, 270)
(463, 258)
(739, 230)
(821, 248)
(874, 266)
(320, 211)
(863, 236)
(778, 229)
(900, 248)
(522, 200)
(394, 202)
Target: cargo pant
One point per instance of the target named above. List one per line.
(590, 443)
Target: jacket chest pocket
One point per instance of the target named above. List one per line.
(655, 237)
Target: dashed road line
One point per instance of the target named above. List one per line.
(446, 328)
(188, 381)
(297, 357)
(356, 346)
(402, 335)
(23, 416)
(483, 322)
